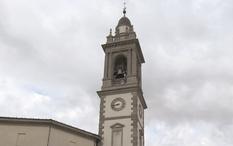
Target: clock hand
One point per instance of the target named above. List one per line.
(117, 104)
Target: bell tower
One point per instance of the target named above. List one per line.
(122, 104)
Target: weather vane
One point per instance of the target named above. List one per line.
(124, 10)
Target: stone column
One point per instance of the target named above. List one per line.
(110, 65)
(129, 62)
(106, 66)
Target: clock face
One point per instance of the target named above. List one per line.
(140, 111)
(118, 104)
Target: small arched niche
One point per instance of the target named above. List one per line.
(120, 67)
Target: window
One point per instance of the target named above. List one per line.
(72, 143)
(117, 134)
(141, 137)
(20, 140)
(117, 138)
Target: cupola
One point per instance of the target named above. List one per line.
(123, 31)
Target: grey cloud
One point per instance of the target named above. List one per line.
(53, 48)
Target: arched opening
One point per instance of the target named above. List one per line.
(120, 67)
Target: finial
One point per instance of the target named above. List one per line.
(124, 9)
(110, 32)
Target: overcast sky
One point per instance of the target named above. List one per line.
(51, 64)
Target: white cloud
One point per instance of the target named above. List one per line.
(18, 101)
(198, 133)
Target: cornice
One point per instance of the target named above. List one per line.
(124, 90)
(126, 42)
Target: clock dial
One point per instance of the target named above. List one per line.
(118, 104)
(140, 111)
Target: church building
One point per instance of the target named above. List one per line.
(122, 105)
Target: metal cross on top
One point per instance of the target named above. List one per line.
(124, 10)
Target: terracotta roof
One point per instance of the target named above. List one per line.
(49, 122)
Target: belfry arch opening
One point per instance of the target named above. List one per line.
(120, 67)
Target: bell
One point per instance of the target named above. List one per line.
(119, 71)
